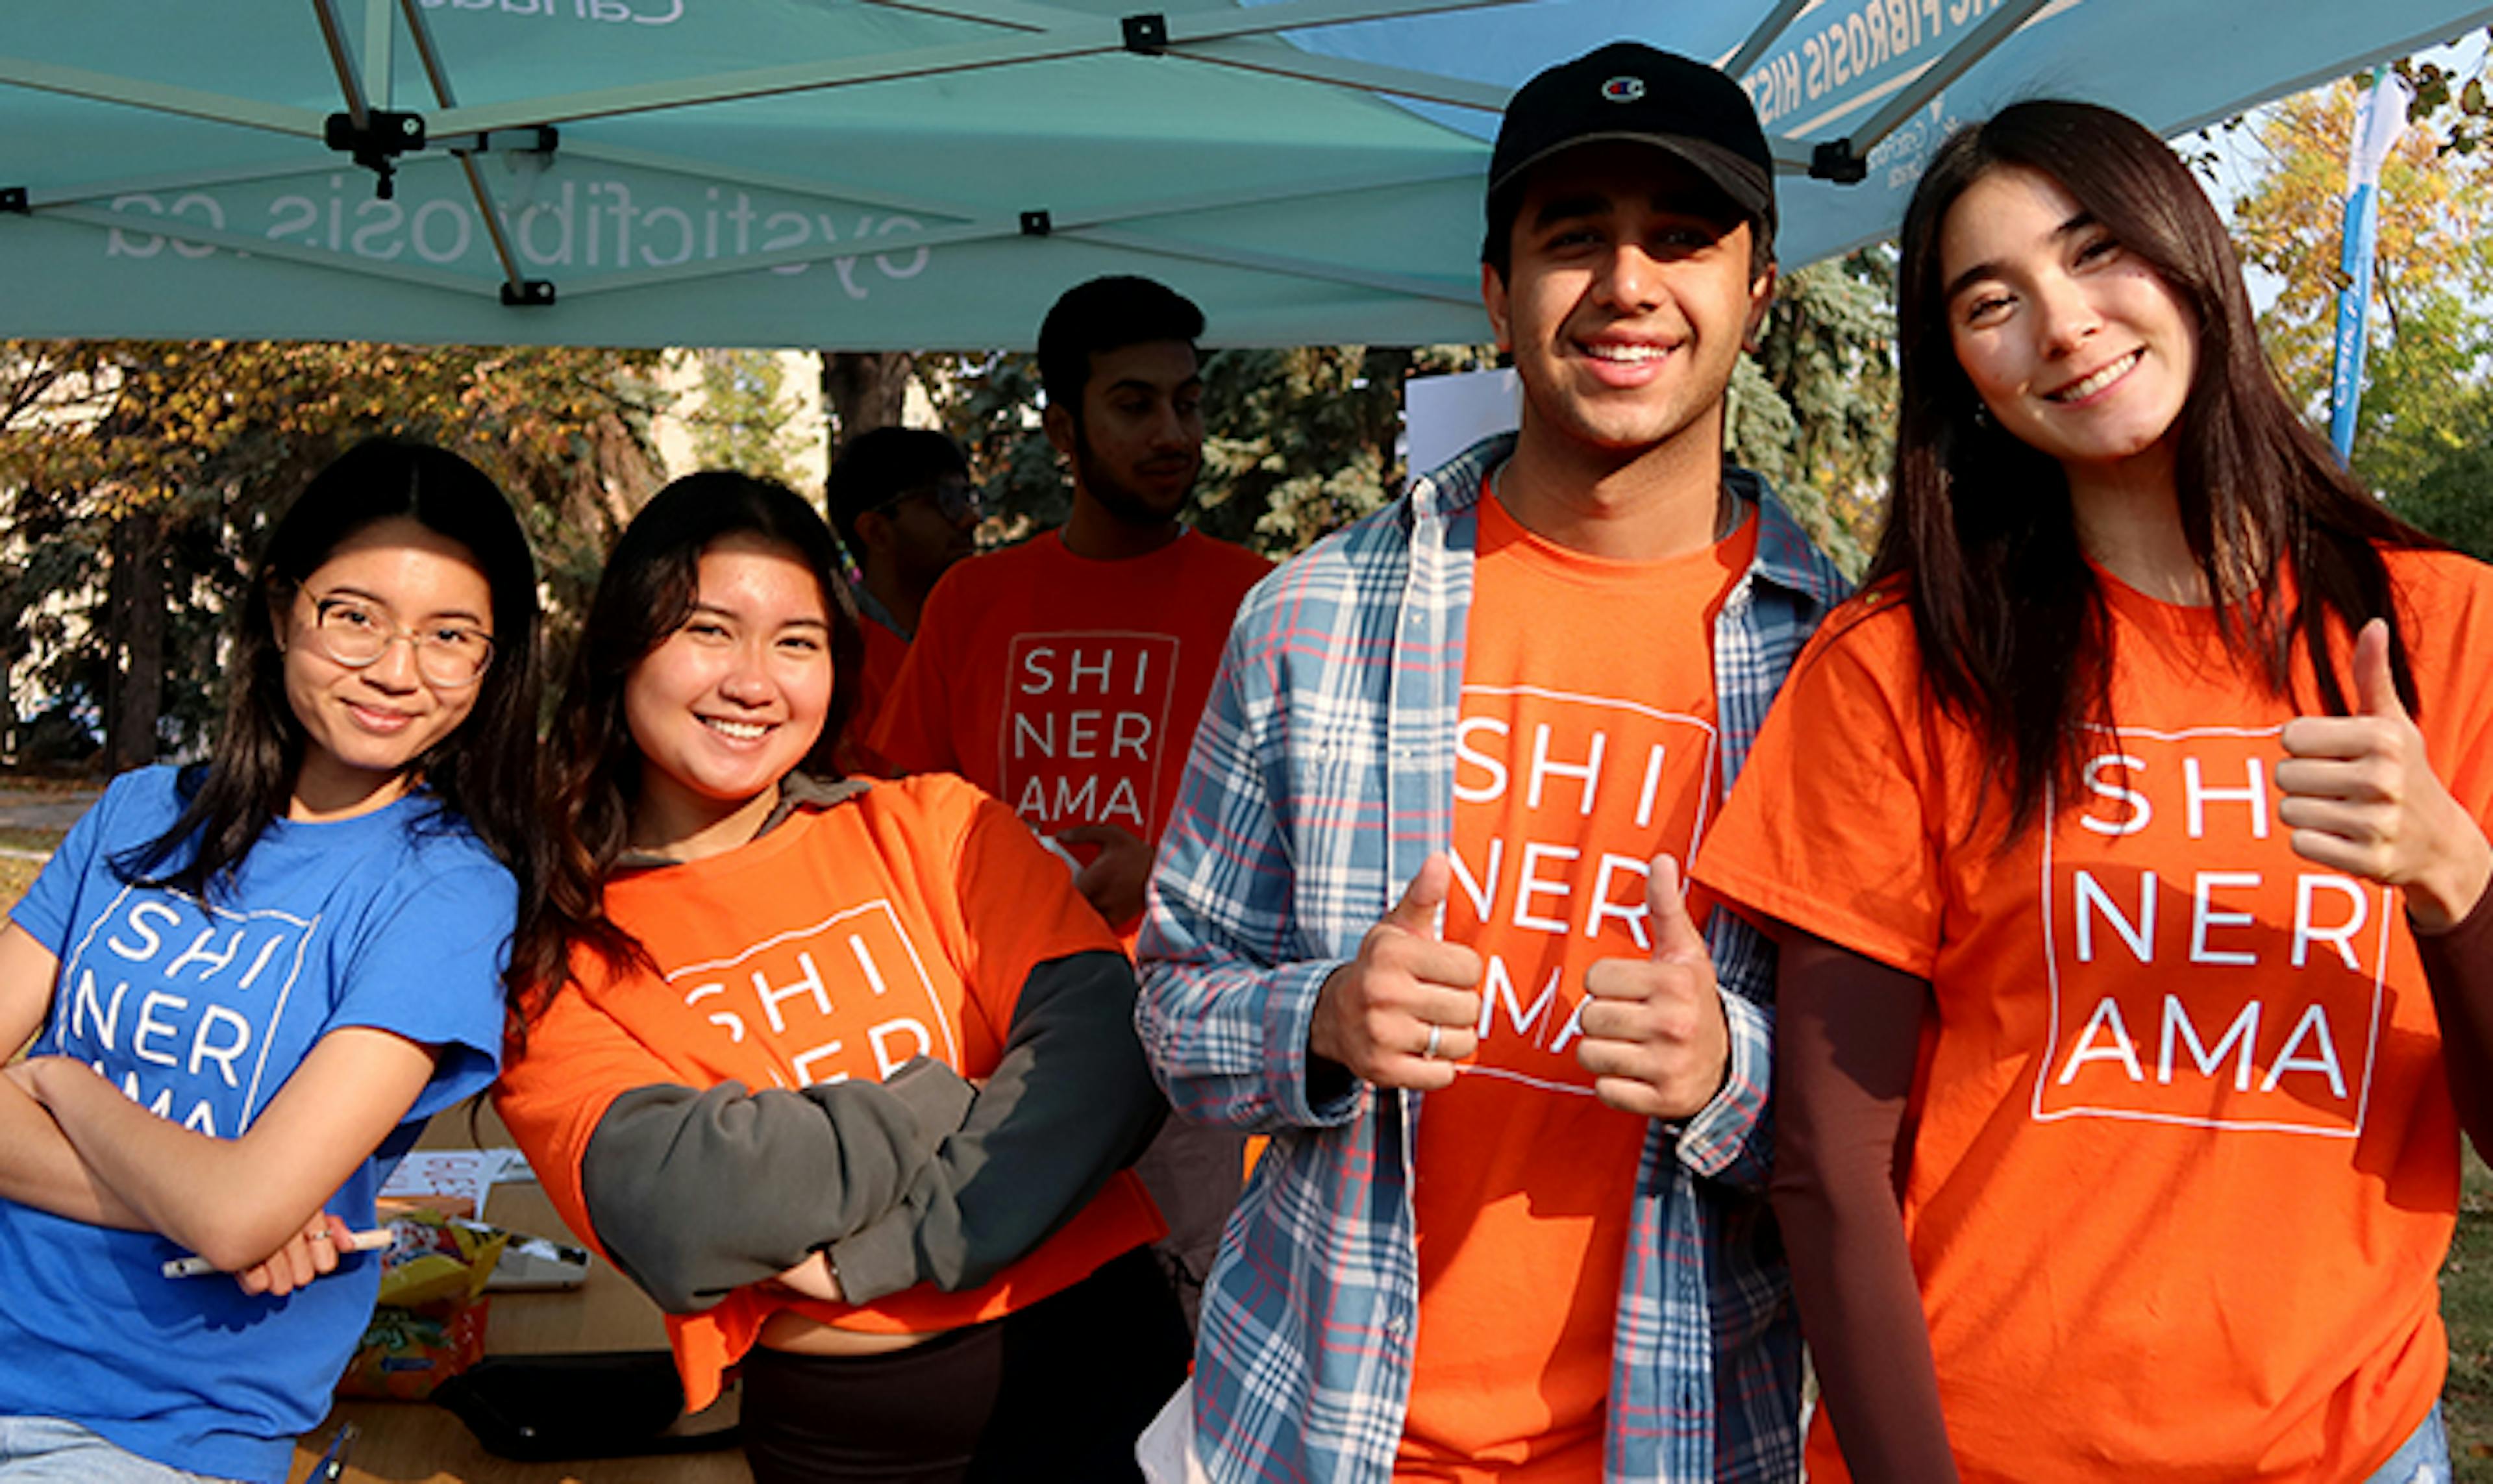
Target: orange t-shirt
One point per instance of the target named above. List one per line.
(2185, 1167)
(1065, 687)
(897, 923)
(1585, 745)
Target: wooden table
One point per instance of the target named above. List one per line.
(416, 1442)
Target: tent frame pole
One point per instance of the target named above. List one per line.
(1280, 59)
(1769, 30)
(333, 35)
(1979, 43)
(1846, 158)
(518, 290)
(1082, 36)
(160, 98)
(381, 39)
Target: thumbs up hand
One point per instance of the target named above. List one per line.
(1655, 1036)
(2361, 798)
(1408, 1007)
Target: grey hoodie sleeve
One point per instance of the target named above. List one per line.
(1071, 1103)
(696, 1193)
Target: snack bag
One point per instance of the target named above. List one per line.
(429, 1323)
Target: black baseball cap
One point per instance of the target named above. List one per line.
(1630, 91)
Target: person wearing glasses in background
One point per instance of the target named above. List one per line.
(1064, 675)
(255, 978)
(906, 511)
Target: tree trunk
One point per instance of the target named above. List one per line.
(865, 389)
(135, 596)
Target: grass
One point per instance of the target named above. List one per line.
(21, 781)
(16, 874)
(2467, 1308)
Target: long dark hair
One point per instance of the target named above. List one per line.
(483, 773)
(594, 774)
(1980, 534)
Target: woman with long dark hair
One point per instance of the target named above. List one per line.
(842, 1072)
(255, 980)
(2125, 841)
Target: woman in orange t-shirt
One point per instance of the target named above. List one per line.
(2124, 842)
(842, 1072)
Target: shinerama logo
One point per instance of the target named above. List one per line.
(1623, 90)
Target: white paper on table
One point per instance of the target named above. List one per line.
(468, 1172)
(1166, 1449)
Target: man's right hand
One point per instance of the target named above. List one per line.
(1114, 880)
(1374, 1013)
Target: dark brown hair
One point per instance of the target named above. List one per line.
(1980, 533)
(1101, 316)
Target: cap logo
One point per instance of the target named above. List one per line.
(1623, 90)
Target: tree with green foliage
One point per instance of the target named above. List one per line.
(989, 401)
(1815, 408)
(1305, 441)
(739, 419)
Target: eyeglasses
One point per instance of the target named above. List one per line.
(356, 632)
(956, 500)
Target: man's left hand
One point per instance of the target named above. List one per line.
(1655, 1036)
(1113, 882)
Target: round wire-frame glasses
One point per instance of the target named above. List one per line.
(355, 631)
(957, 500)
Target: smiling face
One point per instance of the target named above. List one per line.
(731, 700)
(1629, 293)
(364, 727)
(2078, 346)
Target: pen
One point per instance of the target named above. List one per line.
(332, 1465)
(362, 1241)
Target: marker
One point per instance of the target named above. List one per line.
(361, 1241)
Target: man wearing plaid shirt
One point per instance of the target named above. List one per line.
(1426, 862)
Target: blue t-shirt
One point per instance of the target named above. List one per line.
(399, 920)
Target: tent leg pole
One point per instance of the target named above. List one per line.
(333, 30)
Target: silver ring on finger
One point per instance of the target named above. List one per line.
(1436, 1033)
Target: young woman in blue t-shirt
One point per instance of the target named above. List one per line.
(249, 983)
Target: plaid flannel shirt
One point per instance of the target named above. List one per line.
(1321, 777)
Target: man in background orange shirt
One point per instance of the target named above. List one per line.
(1066, 675)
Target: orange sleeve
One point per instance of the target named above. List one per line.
(557, 1087)
(1837, 821)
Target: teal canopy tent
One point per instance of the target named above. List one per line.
(912, 174)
